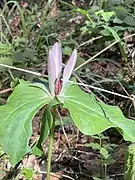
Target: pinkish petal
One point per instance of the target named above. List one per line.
(69, 67)
(51, 73)
(57, 56)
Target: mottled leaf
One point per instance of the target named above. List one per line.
(16, 119)
(86, 113)
(93, 117)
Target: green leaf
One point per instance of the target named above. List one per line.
(120, 43)
(125, 126)
(117, 20)
(28, 173)
(101, 149)
(93, 117)
(130, 20)
(82, 11)
(36, 151)
(46, 125)
(94, 146)
(113, 32)
(96, 178)
(104, 153)
(47, 121)
(119, 28)
(67, 50)
(121, 11)
(113, 2)
(86, 113)
(16, 119)
(105, 15)
(6, 49)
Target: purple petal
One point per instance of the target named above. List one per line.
(69, 67)
(57, 56)
(51, 73)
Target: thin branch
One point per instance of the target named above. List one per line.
(89, 41)
(121, 85)
(57, 176)
(20, 69)
(93, 57)
(99, 89)
(63, 128)
(5, 90)
(86, 88)
(6, 25)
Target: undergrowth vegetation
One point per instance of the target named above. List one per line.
(84, 126)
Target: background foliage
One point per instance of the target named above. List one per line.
(27, 31)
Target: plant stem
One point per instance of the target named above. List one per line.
(51, 145)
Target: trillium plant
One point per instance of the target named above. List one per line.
(89, 115)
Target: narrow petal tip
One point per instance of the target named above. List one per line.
(69, 67)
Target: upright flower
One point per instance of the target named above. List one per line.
(55, 69)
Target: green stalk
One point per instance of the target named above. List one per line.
(130, 163)
(51, 145)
